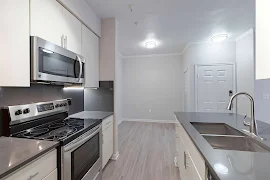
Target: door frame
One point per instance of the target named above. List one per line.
(196, 83)
(184, 73)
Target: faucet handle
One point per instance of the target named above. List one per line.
(246, 123)
(245, 116)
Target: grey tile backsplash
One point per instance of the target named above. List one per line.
(40, 93)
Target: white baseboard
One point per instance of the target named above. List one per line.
(115, 156)
(149, 120)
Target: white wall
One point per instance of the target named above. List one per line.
(245, 63)
(118, 88)
(85, 13)
(205, 53)
(154, 82)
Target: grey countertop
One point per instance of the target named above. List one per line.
(17, 152)
(91, 115)
(238, 165)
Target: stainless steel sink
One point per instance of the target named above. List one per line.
(215, 128)
(238, 143)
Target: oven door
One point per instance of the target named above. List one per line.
(82, 157)
(52, 63)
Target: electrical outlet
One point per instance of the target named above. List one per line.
(266, 96)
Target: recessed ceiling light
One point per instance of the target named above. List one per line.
(150, 44)
(219, 38)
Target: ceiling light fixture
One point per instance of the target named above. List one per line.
(150, 44)
(219, 38)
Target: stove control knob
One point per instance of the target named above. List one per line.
(26, 111)
(61, 105)
(18, 112)
(65, 104)
(57, 106)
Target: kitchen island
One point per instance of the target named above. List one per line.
(225, 164)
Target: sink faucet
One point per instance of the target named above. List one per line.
(253, 124)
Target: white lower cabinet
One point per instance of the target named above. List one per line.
(107, 140)
(190, 163)
(51, 176)
(43, 168)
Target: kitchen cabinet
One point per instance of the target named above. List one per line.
(72, 32)
(90, 50)
(52, 22)
(262, 39)
(47, 21)
(43, 168)
(15, 43)
(190, 163)
(107, 140)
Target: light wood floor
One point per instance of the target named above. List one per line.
(146, 153)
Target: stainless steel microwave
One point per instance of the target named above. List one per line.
(53, 64)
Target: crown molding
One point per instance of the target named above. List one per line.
(248, 32)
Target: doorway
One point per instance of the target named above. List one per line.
(214, 84)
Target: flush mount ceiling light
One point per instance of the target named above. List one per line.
(219, 38)
(150, 44)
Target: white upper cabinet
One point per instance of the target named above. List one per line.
(52, 22)
(262, 39)
(72, 32)
(15, 43)
(47, 20)
(90, 50)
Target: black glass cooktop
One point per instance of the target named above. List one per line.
(60, 130)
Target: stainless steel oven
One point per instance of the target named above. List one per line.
(54, 64)
(81, 158)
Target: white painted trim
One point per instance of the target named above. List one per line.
(152, 55)
(213, 64)
(121, 55)
(115, 156)
(149, 120)
(250, 31)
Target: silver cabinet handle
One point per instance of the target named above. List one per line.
(65, 42)
(80, 61)
(185, 160)
(32, 176)
(62, 40)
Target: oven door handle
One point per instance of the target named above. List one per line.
(80, 142)
(80, 61)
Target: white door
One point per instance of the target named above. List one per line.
(214, 84)
(186, 89)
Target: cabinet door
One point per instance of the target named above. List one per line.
(15, 43)
(73, 32)
(47, 20)
(51, 176)
(90, 50)
(107, 145)
(182, 160)
(192, 172)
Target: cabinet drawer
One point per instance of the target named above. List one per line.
(107, 122)
(51, 176)
(192, 149)
(107, 145)
(38, 169)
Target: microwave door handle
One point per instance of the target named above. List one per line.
(80, 61)
(79, 143)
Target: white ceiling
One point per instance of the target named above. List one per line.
(174, 23)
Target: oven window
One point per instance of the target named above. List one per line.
(83, 158)
(56, 64)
